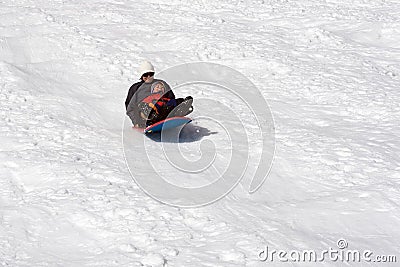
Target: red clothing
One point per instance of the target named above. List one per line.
(158, 102)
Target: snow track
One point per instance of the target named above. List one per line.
(330, 71)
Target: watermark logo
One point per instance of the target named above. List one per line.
(232, 136)
(342, 243)
(339, 254)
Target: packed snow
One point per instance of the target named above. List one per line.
(330, 71)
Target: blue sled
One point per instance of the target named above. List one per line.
(166, 124)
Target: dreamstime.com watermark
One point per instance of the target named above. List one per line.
(224, 109)
(339, 254)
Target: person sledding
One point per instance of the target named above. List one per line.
(152, 100)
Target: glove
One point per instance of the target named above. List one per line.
(145, 108)
(172, 103)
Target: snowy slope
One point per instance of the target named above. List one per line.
(329, 70)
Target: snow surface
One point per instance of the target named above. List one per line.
(329, 70)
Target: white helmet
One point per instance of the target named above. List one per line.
(146, 66)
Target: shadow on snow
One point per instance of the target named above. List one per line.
(186, 134)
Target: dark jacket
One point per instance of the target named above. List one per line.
(131, 92)
(142, 91)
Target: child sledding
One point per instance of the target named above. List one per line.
(152, 100)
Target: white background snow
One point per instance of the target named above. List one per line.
(330, 71)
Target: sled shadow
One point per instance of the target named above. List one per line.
(189, 133)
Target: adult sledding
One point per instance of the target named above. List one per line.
(151, 101)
